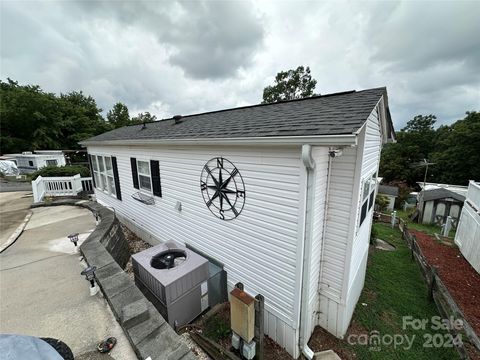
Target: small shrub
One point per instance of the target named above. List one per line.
(216, 328)
(53, 171)
(381, 202)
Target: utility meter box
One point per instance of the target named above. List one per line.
(242, 314)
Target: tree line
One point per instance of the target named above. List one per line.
(453, 152)
(32, 119)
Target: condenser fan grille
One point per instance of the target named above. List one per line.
(168, 259)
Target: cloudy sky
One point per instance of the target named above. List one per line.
(186, 57)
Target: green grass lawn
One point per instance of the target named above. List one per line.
(395, 288)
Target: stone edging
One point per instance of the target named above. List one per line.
(106, 248)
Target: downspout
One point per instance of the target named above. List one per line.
(309, 164)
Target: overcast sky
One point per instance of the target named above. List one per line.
(187, 57)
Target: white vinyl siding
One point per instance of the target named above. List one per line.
(370, 160)
(320, 156)
(338, 223)
(259, 248)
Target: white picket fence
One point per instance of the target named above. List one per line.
(468, 231)
(60, 186)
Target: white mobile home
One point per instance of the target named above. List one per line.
(28, 162)
(280, 194)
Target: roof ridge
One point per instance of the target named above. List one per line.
(267, 104)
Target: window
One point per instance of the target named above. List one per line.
(146, 176)
(368, 197)
(51, 162)
(144, 179)
(103, 174)
(30, 163)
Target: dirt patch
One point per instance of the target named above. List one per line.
(462, 281)
(135, 245)
(322, 340)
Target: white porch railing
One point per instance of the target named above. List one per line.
(60, 186)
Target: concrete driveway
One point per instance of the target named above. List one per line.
(14, 206)
(42, 292)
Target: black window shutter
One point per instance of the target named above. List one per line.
(155, 172)
(133, 162)
(116, 178)
(91, 170)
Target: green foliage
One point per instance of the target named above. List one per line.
(454, 150)
(53, 171)
(143, 117)
(216, 328)
(118, 116)
(32, 119)
(382, 202)
(457, 151)
(289, 85)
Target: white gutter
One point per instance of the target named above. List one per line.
(309, 164)
(323, 140)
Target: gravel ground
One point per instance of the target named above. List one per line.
(135, 245)
(197, 350)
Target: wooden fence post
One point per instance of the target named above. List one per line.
(259, 325)
(413, 246)
(431, 286)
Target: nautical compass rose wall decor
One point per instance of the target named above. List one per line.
(222, 188)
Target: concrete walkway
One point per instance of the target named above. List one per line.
(42, 292)
(14, 206)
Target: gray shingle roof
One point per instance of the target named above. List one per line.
(334, 114)
(441, 193)
(388, 190)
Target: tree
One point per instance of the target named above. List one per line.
(415, 142)
(143, 118)
(457, 151)
(289, 85)
(454, 150)
(31, 119)
(119, 115)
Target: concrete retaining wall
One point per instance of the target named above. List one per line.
(107, 249)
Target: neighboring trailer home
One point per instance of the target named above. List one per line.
(28, 162)
(390, 192)
(280, 194)
(467, 236)
(436, 204)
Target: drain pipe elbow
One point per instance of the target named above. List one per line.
(307, 157)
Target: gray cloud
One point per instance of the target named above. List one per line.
(186, 57)
(208, 40)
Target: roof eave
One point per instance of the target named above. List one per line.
(321, 140)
